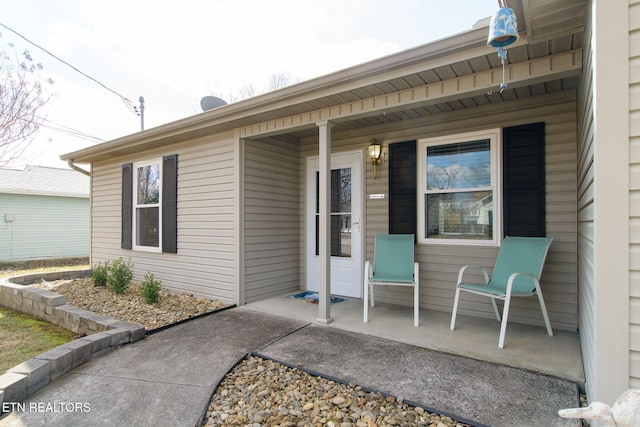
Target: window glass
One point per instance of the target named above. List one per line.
(467, 215)
(462, 165)
(147, 227)
(147, 206)
(459, 185)
(148, 184)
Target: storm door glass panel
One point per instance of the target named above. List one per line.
(148, 205)
(340, 213)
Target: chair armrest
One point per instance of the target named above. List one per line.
(368, 267)
(513, 276)
(464, 268)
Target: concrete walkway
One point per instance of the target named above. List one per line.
(167, 378)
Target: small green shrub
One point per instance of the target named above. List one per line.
(120, 277)
(99, 274)
(150, 289)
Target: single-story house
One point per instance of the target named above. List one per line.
(277, 193)
(44, 213)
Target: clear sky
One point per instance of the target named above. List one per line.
(175, 52)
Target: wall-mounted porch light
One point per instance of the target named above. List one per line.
(375, 155)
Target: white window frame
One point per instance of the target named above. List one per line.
(494, 136)
(134, 231)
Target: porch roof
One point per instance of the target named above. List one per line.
(453, 73)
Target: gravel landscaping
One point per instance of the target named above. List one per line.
(130, 306)
(261, 392)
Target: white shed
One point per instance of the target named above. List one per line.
(44, 213)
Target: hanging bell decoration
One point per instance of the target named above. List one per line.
(503, 31)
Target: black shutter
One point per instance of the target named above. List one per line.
(127, 206)
(524, 180)
(402, 188)
(170, 204)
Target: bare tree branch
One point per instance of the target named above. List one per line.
(278, 80)
(23, 100)
(275, 81)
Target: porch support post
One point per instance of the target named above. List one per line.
(610, 362)
(324, 237)
(239, 254)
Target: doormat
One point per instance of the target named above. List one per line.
(312, 297)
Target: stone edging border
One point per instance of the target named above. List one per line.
(102, 333)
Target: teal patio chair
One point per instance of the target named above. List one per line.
(393, 265)
(516, 274)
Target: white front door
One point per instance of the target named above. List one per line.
(346, 224)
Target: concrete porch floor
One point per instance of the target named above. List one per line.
(527, 347)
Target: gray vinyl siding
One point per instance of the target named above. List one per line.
(439, 264)
(634, 220)
(271, 219)
(43, 227)
(204, 264)
(585, 209)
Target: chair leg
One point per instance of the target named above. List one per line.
(416, 308)
(416, 305)
(416, 296)
(505, 316)
(366, 293)
(366, 303)
(452, 326)
(495, 308)
(371, 289)
(543, 307)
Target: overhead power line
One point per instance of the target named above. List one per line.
(44, 122)
(126, 101)
(69, 131)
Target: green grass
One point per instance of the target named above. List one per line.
(23, 337)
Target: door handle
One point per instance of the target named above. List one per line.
(357, 223)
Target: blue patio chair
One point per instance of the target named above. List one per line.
(393, 265)
(516, 274)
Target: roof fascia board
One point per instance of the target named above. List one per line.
(520, 74)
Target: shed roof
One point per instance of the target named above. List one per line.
(45, 181)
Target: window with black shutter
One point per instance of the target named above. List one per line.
(520, 213)
(149, 205)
